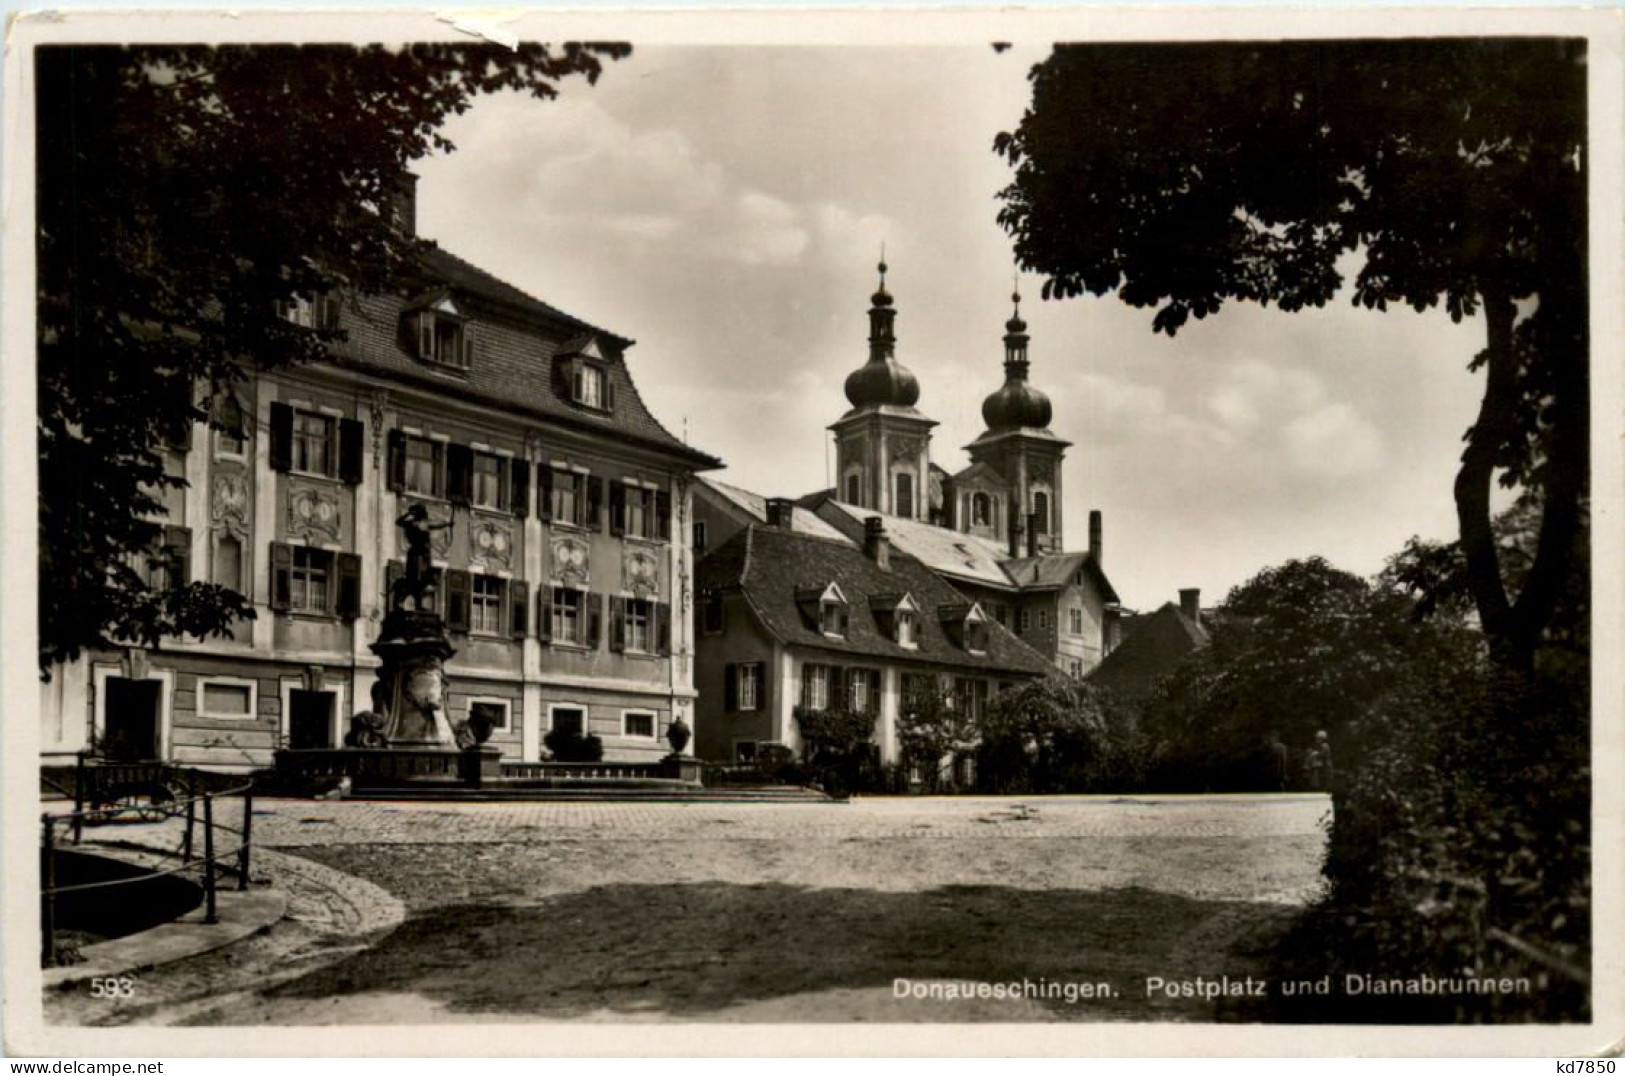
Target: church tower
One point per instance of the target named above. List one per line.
(883, 445)
(1018, 445)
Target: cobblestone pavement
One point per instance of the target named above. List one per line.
(305, 823)
(766, 912)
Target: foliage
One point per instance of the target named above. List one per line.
(182, 193)
(1058, 736)
(930, 729)
(1183, 176)
(568, 745)
(834, 731)
(1298, 649)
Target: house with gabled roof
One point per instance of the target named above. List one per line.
(1154, 645)
(789, 619)
(566, 568)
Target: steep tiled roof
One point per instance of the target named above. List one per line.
(947, 552)
(755, 506)
(515, 342)
(1157, 645)
(772, 565)
(1055, 570)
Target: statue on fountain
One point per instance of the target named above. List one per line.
(422, 578)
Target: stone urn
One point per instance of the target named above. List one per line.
(678, 734)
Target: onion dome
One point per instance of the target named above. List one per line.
(882, 381)
(1017, 404)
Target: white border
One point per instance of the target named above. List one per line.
(253, 687)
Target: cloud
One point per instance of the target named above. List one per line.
(1336, 441)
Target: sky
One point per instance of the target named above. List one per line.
(725, 208)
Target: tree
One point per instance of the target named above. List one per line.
(1182, 176)
(1298, 649)
(183, 194)
(930, 729)
(1056, 735)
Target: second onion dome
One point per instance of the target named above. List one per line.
(1017, 404)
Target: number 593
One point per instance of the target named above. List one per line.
(112, 987)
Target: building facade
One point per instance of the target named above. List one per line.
(563, 508)
(790, 620)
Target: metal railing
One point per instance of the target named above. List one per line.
(150, 790)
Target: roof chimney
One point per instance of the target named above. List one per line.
(403, 203)
(1190, 603)
(1095, 549)
(876, 546)
(780, 512)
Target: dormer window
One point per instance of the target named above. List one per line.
(442, 332)
(898, 618)
(966, 625)
(585, 370)
(976, 636)
(322, 312)
(833, 618)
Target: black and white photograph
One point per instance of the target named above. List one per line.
(900, 519)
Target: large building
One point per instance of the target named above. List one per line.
(791, 619)
(566, 566)
(993, 529)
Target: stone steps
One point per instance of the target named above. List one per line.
(598, 794)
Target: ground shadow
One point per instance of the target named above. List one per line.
(696, 949)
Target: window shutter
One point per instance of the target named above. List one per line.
(519, 487)
(281, 576)
(468, 346)
(350, 451)
(593, 610)
(731, 689)
(397, 461)
(544, 613)
(327, 312)
(519, 607)
(837, 688)
(544, 495)
(617, 509)
(762, 680)
(459, 473)
(617, 623)
(348, 604)
(456, 599)
(663, 626)
(281, 437)
(393, 573)
(609, 390)
(594, 493)
(178, 540)
(578, 377)
(663, 516)
(874, 691)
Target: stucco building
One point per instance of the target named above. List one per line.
(566, 566)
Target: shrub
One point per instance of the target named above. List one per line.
(568, 745)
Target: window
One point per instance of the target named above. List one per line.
(443, 337)
(1043, 619)
(1026, 622)
(916, 687)
(567, 615)
(854, 489)
(227, 569)
(639, 518)
(906, 636)
(833, 619)
(905, 497)
(712, 616)
(310, 576)
(699, 538)
(423, 470)
(570, 497)
(815, 687)
(1076, 668)
(745, 751)
(489, 488)
(588, 385)
(485, 604)
(976, 636)
(981, 510)
(858, 682)
(970, 697)
(319, 313)
(230, 439)
(226, 699)
(750, 686)
(1077, 621)
(639, 618)
(568, 719)
(1040, 513)
(638, 723)
(493, 711)
(315, 449)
